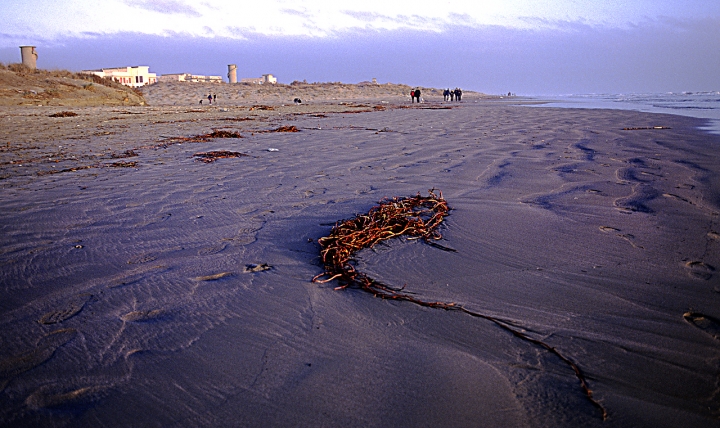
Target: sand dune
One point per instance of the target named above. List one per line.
(20, 86)
(189, 93)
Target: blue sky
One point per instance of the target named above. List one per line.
(527, 47)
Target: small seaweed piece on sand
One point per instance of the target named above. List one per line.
(121, 164)
(126, 154)
(202, 138)
(261, 107)
(64, 114)
(209, 157)
(253, 268)
(417, 217)
(291, 128)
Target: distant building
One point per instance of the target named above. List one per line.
(129, 76)
(266, 78)
(187, 77)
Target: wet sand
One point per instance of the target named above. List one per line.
(144, 287)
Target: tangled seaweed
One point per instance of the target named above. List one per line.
(417, 217)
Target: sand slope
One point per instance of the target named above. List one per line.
(20, 86)
(190, 93)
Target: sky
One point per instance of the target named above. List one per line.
(528, 47)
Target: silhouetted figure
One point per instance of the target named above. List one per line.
(215, 98)
(452, 95)
(458, 94)
(412, 95)
(446, 94)
(417, 95)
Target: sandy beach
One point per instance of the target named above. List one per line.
(144, 287)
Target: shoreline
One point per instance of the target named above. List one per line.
(680, 104)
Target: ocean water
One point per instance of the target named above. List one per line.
(704, 105)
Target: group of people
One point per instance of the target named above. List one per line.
(452, 95)
(210, 98)
(448, 94)
(415, 95)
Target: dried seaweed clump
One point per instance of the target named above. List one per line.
(417, 217)
(202, 138)
(222, 134)
(209, 157)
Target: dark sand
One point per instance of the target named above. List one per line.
(127, 299)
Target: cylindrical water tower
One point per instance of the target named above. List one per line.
(232, 73)
(29, 56)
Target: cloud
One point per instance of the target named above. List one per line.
(572, 57)
(296, 12)
(165, 6)
(367, 16)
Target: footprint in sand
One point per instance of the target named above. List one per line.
(214, 277)
(700, 270)
(215, 249)
(678, 198)
(637, 200)
(43, 351)
(69, 310)
(246, 235)
(61, 397)
(142, 258)
(626, 236)
(143, 316)
(135, 275)
(705, 323)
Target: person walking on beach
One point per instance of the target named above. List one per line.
(417, 94)
(210, 98)
(446, 94)
(215, 98)
(458, 94)
(452, 95)
(412, 95)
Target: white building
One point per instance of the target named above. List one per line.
(187, 77)
(266, 78)
(129, 76)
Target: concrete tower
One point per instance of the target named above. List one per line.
(232, 73)
(29, 56)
